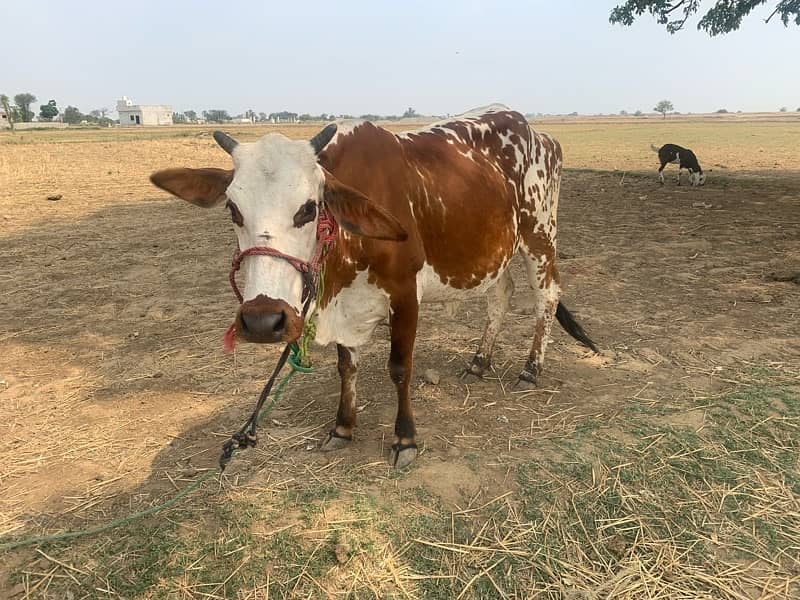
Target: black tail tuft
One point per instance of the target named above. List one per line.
(571, 327)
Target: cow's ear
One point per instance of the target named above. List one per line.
(203, 187)
(356, 214)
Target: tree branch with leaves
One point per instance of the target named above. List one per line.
(723, 17)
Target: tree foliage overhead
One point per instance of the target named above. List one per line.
(723, 17)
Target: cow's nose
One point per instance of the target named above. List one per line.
(268, 327)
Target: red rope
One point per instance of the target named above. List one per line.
(327, 230)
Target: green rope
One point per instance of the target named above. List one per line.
(299, 362)
(113, 524)
(66, 535)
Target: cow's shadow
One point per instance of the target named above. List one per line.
(135, 297)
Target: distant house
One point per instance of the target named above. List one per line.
(4, 123)
(131, 114)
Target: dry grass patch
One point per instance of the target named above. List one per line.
(657, 504)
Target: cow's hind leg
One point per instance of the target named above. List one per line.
(401, 364)
(342, 432)
(543, 278)
(497, 302)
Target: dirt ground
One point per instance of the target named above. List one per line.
(114, 388)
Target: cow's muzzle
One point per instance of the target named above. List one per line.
(263, 320)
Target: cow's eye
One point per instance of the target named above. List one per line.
(305, 213)
(236, 216)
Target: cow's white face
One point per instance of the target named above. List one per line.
(273, 195)
(698, 179)
(273, 200)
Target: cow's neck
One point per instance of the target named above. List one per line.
(368, 159)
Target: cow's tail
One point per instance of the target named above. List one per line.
(571, 327)
(653, 148)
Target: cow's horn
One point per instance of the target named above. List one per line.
(225, 141)
(319, 141)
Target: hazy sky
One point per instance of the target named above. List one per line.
(345, 56)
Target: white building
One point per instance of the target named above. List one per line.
(131, 114)
(4, 123)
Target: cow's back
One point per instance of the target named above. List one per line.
(466, 190)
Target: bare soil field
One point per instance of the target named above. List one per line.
(666, 467)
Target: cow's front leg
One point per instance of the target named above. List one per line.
(401, 364)
(342, 432)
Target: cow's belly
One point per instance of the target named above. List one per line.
(352, 315)
(432, 288)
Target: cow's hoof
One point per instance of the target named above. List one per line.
(525, 381)
(471, 374)
(402, 455)
(335, 441)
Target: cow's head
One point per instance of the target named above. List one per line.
(273, 194)
(698, 178)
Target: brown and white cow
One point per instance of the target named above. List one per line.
(431, 215)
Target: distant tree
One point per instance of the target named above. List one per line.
(283, 117)
(47, 112)
(798, 109)
(179, 117)
(638, 113)
(370, 117)
(623, 113)
(573, 114)
(23, 110)
(98, 117)
(262, 117)
(10, 114)
(663, 107)
(723, 17)
(305, 117)
(190, 115)
(722, 111)
(216, 115)
(410, 113)
(73, 116)
(784, 109)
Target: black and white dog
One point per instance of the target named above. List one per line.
(684, 158)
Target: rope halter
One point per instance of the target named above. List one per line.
(327, 230)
